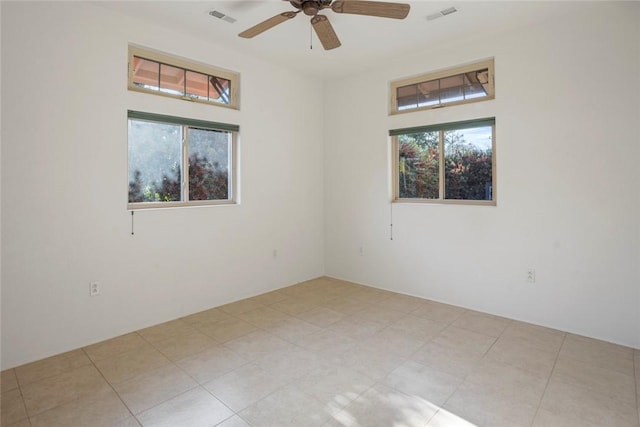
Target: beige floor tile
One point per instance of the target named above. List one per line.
(131, 364)
(166, 330)
(572, 402)
(370, 361)
(287, 406)
(206, 318)
(228, 329)
(51, 366)
(447, 359)
(419, 380)
(545, 418)
(12, 409)
(241, 306)
(211, 363)
(334, 385)
(154, 387)
(270, 297)
(8, 380)
(403, 303)
(542, 338)
(464, 340)
(263, 317)
(181, 346)
(194, 408)
(501, 378)
(23, 423)
(601, 353)
(397, 341)
(115, 346)
(292, 329)
(418, 327)
(295, 305)
(347, 306)
(321, 316)
(101, 409)
(234, 421)
(445, 418)
(385, 406)
(292, 365)
(370, 296)
(439, 312)
(62, 388)
(486, 324)
(258, 344)
(520, 354)
(244, 386)
(356, 328)
(495, 407)
(596, 379)
(128, 422)
(381, 315)
(327, 343)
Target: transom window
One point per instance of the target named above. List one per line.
(454, 86)
(445, 163)
(176, 162)
(162, 74)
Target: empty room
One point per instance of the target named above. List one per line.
(320, 213)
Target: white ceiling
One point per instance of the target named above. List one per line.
(365, 40)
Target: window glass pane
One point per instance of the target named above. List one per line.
(418, 164)
(197, 85)
(209, 164)
(474, 90)
(219, 90)
(451, 89)
(146, 73)
(468, 164)
(429, 93)
(154, 161)
(171, 79)
(407, 97)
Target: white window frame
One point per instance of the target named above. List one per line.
(441, 128)
(186, 123)
(188, 65)
(489, 87)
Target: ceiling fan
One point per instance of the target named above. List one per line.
(321, 24)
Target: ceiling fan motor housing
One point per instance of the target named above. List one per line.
(310, 7)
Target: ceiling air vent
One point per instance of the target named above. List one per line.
(220, 15)
(443, 12)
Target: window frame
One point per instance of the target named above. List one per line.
(187, 124)
(436, 75)
(188, 65)
(441, 128)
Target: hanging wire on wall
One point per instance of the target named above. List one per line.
(132, 233)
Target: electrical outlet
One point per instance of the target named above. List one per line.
(361, 251)
(531, 275)
(94, 289)
(274, 253)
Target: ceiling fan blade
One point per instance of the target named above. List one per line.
(324, 30)
(268, 24)
(372, 8)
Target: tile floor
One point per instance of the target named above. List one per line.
(331, 353)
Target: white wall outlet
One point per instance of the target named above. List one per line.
(361, 251)
(531, 275)
(94, 289)
(274, 253)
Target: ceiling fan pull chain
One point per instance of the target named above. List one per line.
(310, 36)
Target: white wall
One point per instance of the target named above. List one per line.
(567, 110)
(64, 183)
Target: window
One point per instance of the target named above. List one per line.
(459, 85)
(445, 163)
(180, 162)
(162, 74)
